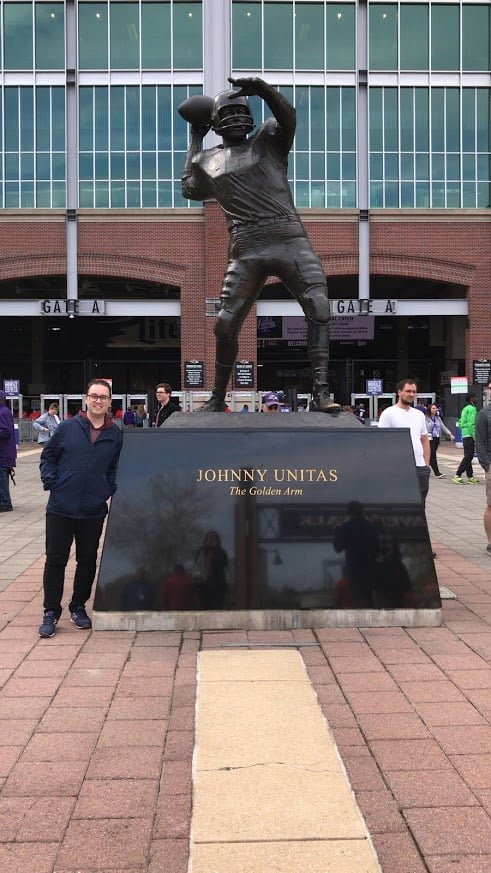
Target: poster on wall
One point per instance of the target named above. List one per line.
(194, 374)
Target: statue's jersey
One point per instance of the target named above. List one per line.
(249, 181)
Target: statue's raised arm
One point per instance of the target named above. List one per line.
(282, 110)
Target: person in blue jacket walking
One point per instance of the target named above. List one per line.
(78, 467)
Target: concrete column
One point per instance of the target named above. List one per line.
(362, 152)
(71, 151)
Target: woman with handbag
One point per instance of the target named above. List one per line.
(435, 428)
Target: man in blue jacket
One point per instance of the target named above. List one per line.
(78, 468)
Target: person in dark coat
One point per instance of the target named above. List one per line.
(211, 572)
(78, 468)
(166, 404)
(8, 453)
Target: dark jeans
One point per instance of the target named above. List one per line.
(465, 465)
(434, 443)
(60, 532)
(423, 482)
(5, 487)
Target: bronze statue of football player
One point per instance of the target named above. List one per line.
(248, 178)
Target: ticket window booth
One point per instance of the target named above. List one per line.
(197, 399)
(48, 399)
(365, 400)
(381, 402)
(241, 399)
(72, 405)
(303, 402)
(118, 407)
(424, 399)
(15, 404)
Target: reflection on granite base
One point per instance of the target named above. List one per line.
(265, 619)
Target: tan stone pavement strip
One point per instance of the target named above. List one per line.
(97, 730)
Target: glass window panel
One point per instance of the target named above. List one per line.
(11, 120)
(453, 195)
(246, 36)
(92, 36)
(164, 118)
(165, 165)
(303, 121)
(17, 36)
(383, 36)
(149, 168)
(414, 36)
(26, 119)
(469, 195)
(125, 36)
(165, 194)
(438, 195)
(348, 197)
(132, 118)
(453, 166)
(375, 119)
(407, 119)
(302, 165)
(445, 48)
(102, 165)
(483, 195)
(43, 115)
(391, 126)
(376, 195)
(391, 190)
(407, 195)
(452, 120)
(50, 36)
(421, 119)
(27, 195)
(318, 166)
(178, 163)
(278, 36)
(188, 48)
(340, 36)
(376, 166)
(317, 119)
(438, 166)
(58, 195)
(483, 138)
(85, 118)
(484, 168)
(422, 195)
(58, 123)
(133, 165)
(86, 166)
(117, 165)
(302, 194)
(468, 120)
(469, 167)
(27, 166)
(317, 196)
(407, 166)
(349, 118)
(43, 166)
(149, 119)
(58, 166)
(181, 129)
(12, 166)
(149, 194)
(437, 120)
(333, 165)
(43, 195)
(101, 195)
(391, 167)
(309, 36)
(133, 196)
(423, 166)
(156, 31)
(85, 195)
(349, 166)
(12, 195)
(101, 132)
(476, 28)
(117, 118)
(117, 195)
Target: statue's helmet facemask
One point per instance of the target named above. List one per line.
(231, 114)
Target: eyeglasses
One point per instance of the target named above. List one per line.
(102, 398)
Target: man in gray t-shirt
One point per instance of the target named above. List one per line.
(248, 178)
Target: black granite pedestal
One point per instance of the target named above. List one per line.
(266, 521)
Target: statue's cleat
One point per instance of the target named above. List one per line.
(214, 404)
(323, 403)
